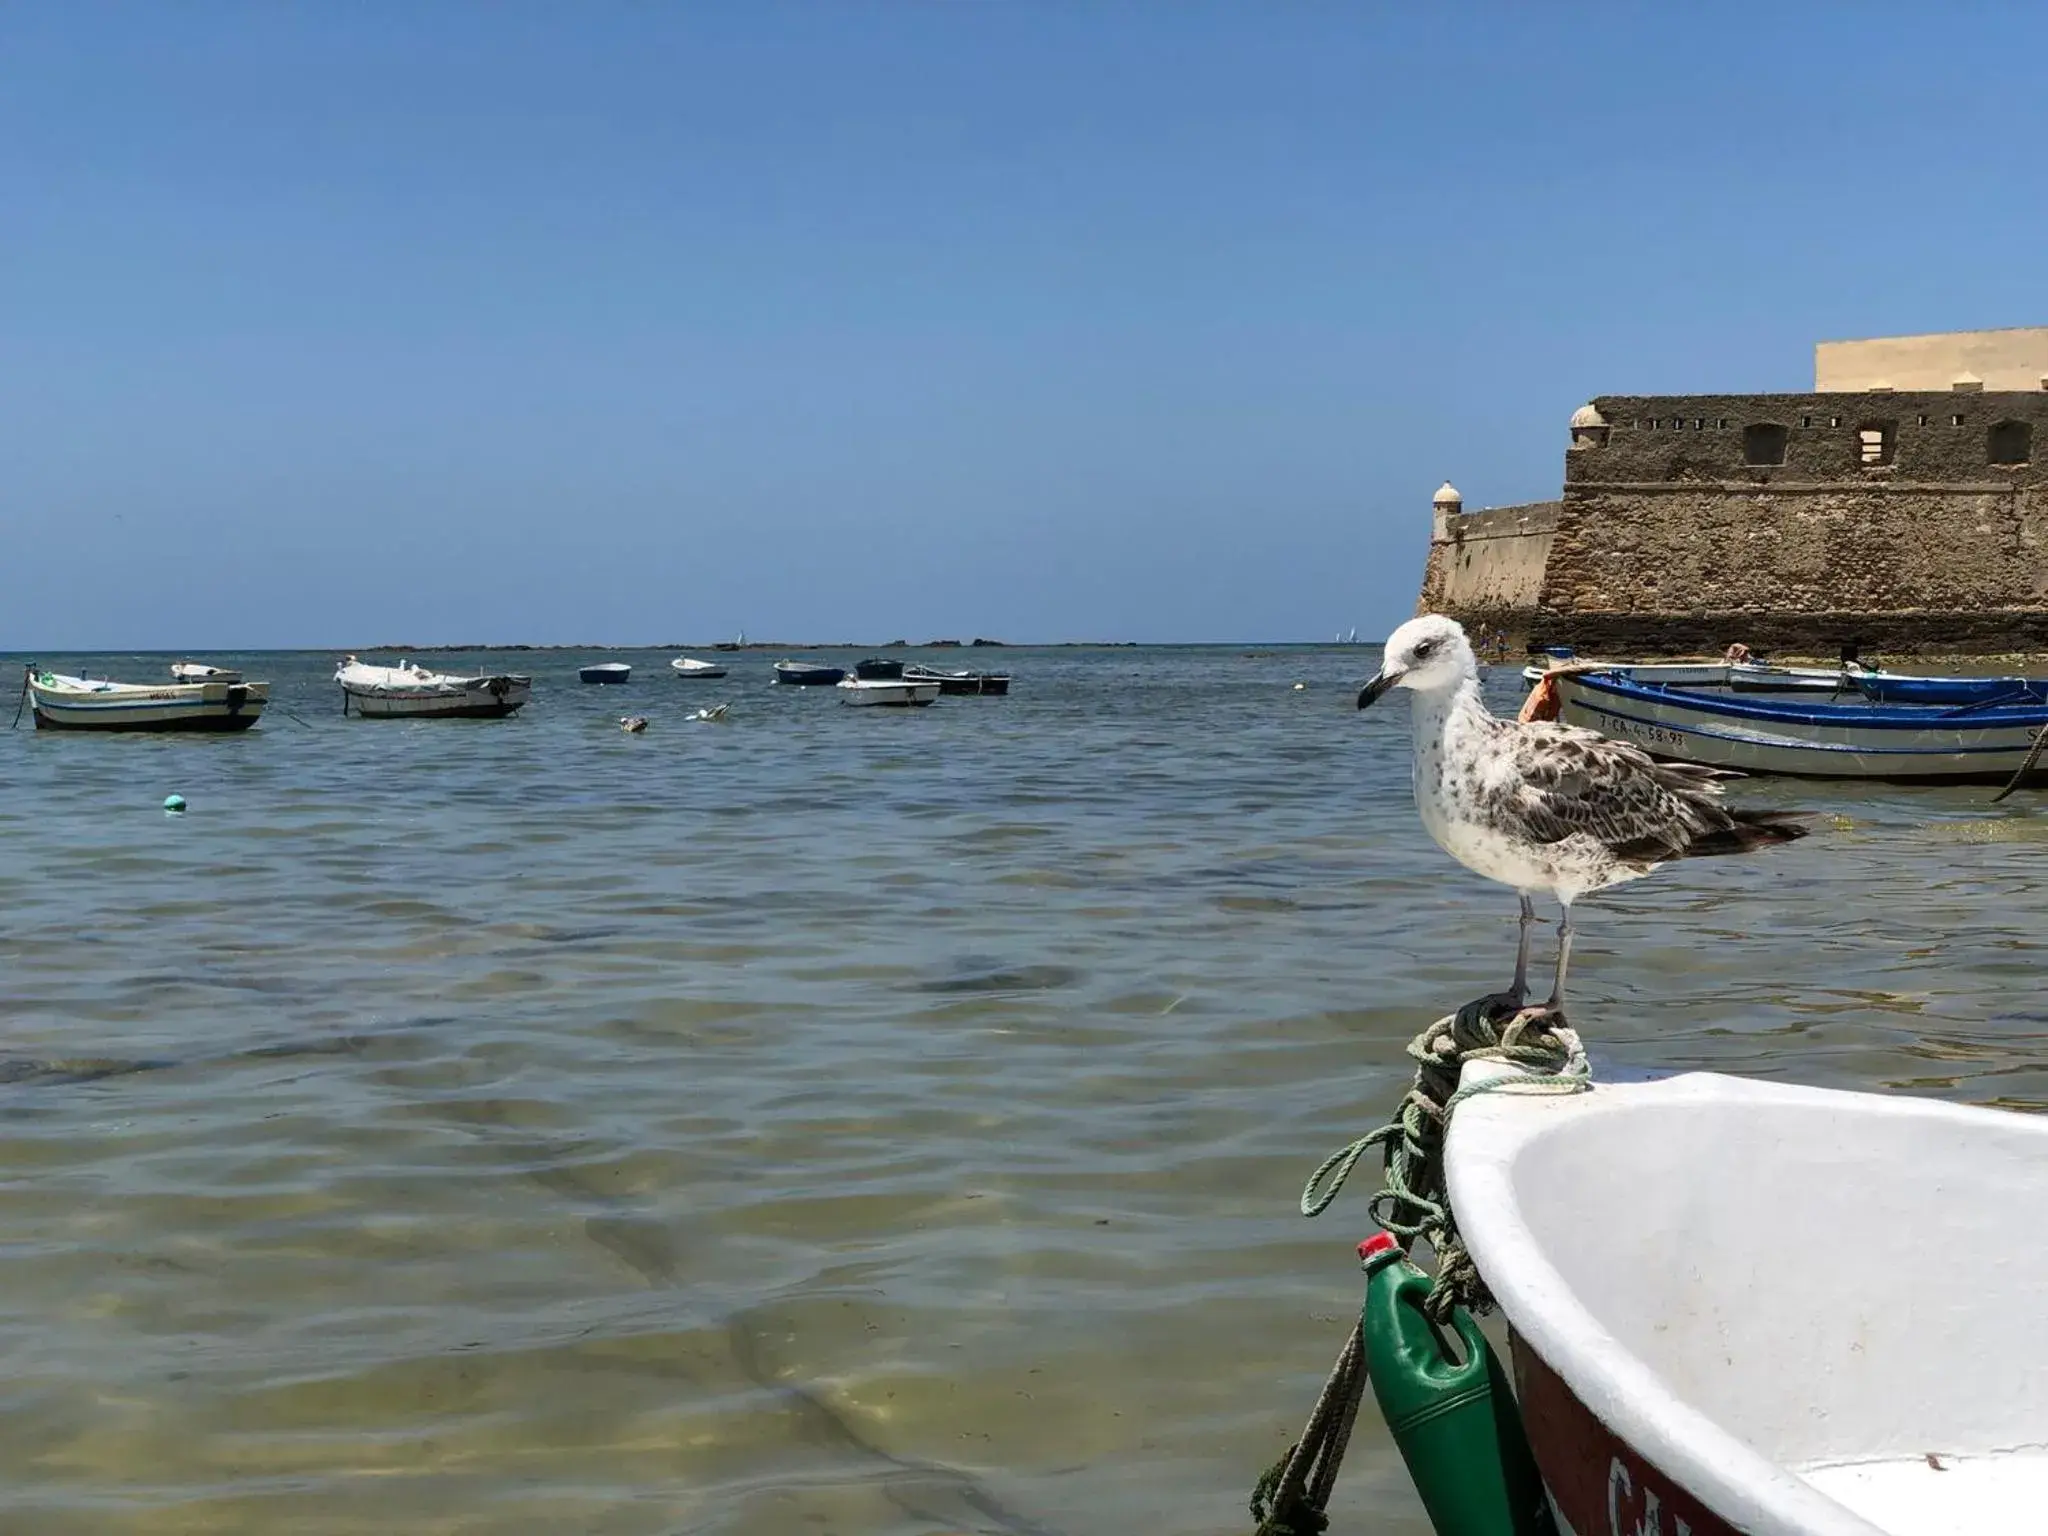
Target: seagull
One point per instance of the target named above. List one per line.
(1547, 807)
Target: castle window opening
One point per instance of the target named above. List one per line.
(1955, 421)
(1698, 422)
(2010, 442)
(1806, 421)
(1763, 443)
(1923, 421)
(1834, 421)
(1876, 441)
(1722, 423)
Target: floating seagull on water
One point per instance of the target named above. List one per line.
(1547, 807)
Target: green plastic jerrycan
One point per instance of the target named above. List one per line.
(1454, 1420)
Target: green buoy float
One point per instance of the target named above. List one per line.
(1454, 1420)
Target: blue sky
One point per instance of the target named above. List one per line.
(328, 324)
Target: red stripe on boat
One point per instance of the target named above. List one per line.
(1600, 1484)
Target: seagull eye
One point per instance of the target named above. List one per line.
(1423, 648)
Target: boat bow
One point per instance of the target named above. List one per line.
(1720, 1298)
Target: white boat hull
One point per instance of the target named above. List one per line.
(887, 692)
(476, 703)
(1958, 749)
(75, 704)
(1746, 1307)
(696, 669)
(414, 693)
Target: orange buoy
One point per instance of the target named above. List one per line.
(1543, 702)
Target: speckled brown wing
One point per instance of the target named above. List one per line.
(1568, 781)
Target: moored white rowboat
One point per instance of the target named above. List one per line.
(411, 690)
(689, 666)
(1746, 1307)
(200, 672)
(69, 703)
(887, 691)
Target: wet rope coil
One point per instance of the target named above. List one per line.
(1293, 1497)
(1412, 1203)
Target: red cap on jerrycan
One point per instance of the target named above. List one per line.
(1453, 1418)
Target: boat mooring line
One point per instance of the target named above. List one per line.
(1292, 1498)
(2027, 767)
(1412, 1204)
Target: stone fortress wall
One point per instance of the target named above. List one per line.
(1899, 520)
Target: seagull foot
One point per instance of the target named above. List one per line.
(1496, 1007)
(1536, 1016)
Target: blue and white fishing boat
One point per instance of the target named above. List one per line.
(65, 703)
(1803, 736)
(808, 674)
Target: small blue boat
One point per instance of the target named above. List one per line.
(1898, 688)
(808, 674)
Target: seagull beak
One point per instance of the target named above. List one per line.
(1379, 685)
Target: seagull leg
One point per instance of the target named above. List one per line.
(1520, 989)
(1564, 956)
(1517, 994)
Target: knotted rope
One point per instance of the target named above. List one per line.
(1292, 1498)
(2011, 784)
(1412, 1202)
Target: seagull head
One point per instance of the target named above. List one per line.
(1427, 654)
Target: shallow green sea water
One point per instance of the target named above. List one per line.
(832, 1121)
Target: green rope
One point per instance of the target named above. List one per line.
(1412, 1203)
(1292, 1496)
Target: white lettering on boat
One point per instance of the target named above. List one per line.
(1636, 730)
(1621, 1487)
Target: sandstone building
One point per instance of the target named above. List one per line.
(1902, 506)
